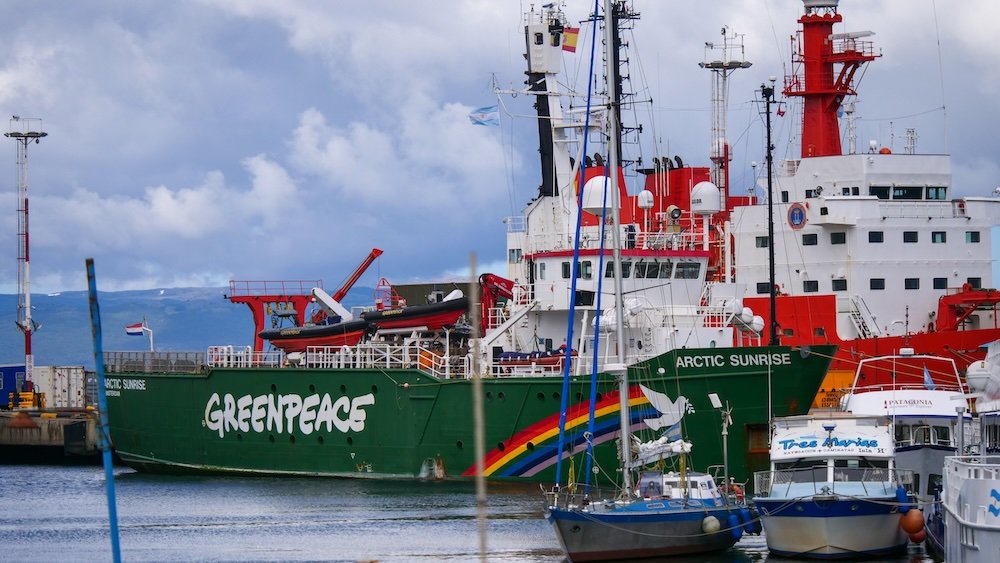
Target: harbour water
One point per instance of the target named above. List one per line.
(59, 513)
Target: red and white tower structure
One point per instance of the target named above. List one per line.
(817, 53)
(24, 131)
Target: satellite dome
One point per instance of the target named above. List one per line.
(593, 195)
(706, 199)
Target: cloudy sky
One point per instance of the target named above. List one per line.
(197, 141)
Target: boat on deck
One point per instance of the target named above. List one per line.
(833, 490)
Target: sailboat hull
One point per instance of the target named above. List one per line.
(588, 536)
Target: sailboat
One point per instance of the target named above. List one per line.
(660, 513)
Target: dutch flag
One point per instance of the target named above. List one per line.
(135, 330)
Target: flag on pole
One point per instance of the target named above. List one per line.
(928, 380)
(135, 330)
(570, 35)
(489, 115)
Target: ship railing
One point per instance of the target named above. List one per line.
(856, 481)
(154, 362)
(380, 355)
(958, 471)
(908, 387)
(261, 287)
(243, 357)
(916, 209)
(572, 497)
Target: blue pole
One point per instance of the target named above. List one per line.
(102, 405)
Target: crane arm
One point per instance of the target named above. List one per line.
(340, 293)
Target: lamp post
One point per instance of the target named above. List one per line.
(24, 131)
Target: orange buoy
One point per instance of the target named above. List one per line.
(918, 537)
(912, 522)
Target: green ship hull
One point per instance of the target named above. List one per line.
(169, 414)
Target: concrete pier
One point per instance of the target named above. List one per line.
(73, 430)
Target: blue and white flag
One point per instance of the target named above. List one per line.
(135, 330)
(928, 380)
(489, 115)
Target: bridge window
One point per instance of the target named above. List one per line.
(609, 270)
(688, 270)
(881, 192)
(666, 269)
(937, 192)
(907, 192)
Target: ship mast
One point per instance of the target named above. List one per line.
(721, 59)
(24, 131)
(619, 370)
(816, 52)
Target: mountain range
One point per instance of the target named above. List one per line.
(182, 319)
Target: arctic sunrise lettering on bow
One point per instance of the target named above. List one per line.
(285, 413)
(738, 360)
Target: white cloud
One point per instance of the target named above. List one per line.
(196, 141)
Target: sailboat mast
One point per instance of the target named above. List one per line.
(614, 158)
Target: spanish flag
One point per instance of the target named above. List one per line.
(570, 34)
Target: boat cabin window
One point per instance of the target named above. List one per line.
(585, 271)
(933, 483)
(911, 236)
(666, 270)
(539, 39)
(688, 270)
(937, 192)
(876, 237)
(801, 471)
(540, 270)
(972, 237)
(921, 435)
(860, 470)
(940, 283)
(881, 192)
(907, 192)
(514, 255)
(784, 196)
(810, 239)
(838, 237)
(810, 286)
(761, 242)
(609, 271)
(903, 437)
(942, 435)
(975, 283)
(839, 284)
(763, 288)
